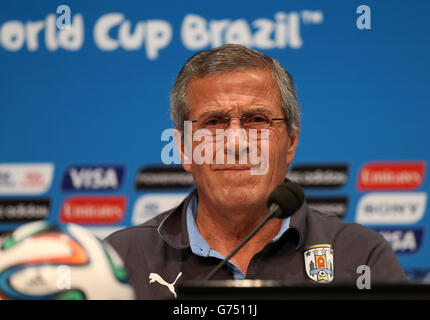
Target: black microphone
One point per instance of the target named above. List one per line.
(286, 199)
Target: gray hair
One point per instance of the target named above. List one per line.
(228, 58)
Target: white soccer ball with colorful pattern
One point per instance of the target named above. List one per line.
(40, 260)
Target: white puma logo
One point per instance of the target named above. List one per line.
(156, 277)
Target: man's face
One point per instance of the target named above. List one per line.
(235, 94)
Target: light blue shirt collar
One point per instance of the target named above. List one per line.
(200, 247)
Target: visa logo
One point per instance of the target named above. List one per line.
(403, 240)
(93, 178)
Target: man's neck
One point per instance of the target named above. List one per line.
(224, 228)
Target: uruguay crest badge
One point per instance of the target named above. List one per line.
(319, 263)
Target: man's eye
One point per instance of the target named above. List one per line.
(213, 122)
(257, 119)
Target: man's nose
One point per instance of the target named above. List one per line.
(235, 123)
(237, 140)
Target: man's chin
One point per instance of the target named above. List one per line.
(241, 197)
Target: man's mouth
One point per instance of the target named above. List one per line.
(233, 168)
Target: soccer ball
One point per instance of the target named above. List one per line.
(41, 260)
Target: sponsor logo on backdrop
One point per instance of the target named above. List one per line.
(319, 176)
(25, 178)
(391, 208)
(113, 31)
(164, 178)
(336, 205)
(93, 210)
(403, 240)
(148, 206)
(24, 210)
(6, 179)
(93, 178)
(391, 176)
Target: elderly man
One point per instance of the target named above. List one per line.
(238, 89)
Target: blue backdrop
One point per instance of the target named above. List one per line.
(88, 104)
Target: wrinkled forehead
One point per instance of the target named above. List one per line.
(238, 90)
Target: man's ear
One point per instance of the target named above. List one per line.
(293, 141)
(185, 157)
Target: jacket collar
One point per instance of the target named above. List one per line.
(173, 228)
(298, 225)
